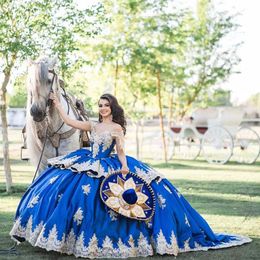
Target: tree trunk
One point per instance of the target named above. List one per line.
(161, 115)
(137, 139)
(170, 115)
(191, 100)
(136, 125)
(7, 168)
(116, 78)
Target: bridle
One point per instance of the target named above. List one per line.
(48, 134)
(49, 101)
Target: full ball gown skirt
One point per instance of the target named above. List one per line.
(62, 211)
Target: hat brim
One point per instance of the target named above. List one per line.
(115, 184)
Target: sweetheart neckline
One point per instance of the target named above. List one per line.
(102, 133)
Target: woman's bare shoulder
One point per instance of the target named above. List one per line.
(117, 127)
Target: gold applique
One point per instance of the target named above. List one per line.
(62, 161)
(99, 140)
(70, 244)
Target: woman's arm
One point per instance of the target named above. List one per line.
(119, 136)
(82, 125)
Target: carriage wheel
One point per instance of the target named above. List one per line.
(187, 147)
(152, 146)
(217, 145)
(247, 146)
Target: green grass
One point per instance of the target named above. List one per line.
(228, 196)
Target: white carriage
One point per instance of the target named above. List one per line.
(215, 133)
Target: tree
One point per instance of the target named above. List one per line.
(113, 51)
(18, 99)
(153, 48)
(165, 36)
(209, 59)
(139, 45)
(254, 101)
(68, 31)
(219, 97)
(28, 27)
(19, 22)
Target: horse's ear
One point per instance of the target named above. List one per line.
(61, 82)
(53, 62)
(58, 83)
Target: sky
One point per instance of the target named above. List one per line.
(247, 82)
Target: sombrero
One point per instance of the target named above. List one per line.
(128, 195)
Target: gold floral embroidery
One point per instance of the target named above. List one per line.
(167, 248)
(86, 189)
(53, 179)
(148, 175)
(120, 139)
(33, 201)
(186, 245)
(167, 188)
(78, 216)
(187, 221)
(161, 201)
(99, 140)
(70, 244)
(90, 165)
(62, 161)
(113, 215)
(55, 160)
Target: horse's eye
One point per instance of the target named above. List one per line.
(49, 81)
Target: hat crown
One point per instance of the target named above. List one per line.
(130, 196)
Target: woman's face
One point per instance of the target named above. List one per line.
(104, 108)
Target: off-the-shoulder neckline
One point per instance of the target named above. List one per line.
(101, 133)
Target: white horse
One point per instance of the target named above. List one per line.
(42, 116)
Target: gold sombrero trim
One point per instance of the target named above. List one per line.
(148, 186)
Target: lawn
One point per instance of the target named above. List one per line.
(228, 197)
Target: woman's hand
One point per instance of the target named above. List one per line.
(124, 170)
(55, 100)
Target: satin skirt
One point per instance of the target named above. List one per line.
(62, 211)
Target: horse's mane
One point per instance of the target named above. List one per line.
(40, 72)
(38, 80)
(38, 75)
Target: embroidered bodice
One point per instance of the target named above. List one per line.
(102, 144)
(98, 161)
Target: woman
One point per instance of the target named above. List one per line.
(82, 205)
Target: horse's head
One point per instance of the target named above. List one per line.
(42, 79)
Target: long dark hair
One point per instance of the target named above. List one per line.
(118, 115)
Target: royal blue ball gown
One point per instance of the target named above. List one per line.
(62, 210)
